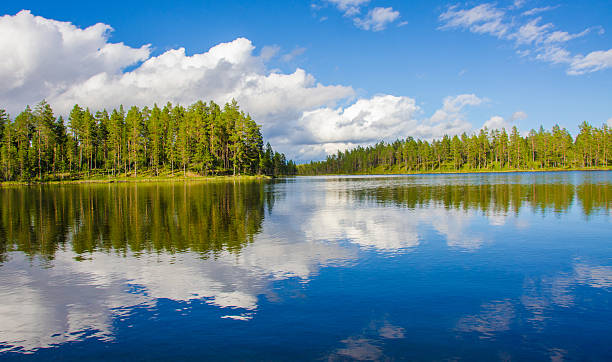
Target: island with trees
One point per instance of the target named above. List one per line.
(203, 139)
(485, 151)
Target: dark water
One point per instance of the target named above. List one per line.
(487, 267)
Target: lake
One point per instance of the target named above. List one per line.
(427, 267)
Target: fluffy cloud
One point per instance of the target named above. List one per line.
(457, 103)
(496, 122)
(449, 119)
(367, 120)
(377, 19)
(65, 64)
(499, 122)
(532, 38)
(43, 57)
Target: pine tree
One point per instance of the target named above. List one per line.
(115, 139)
(8, 151)
(134, 125)
(44, 136)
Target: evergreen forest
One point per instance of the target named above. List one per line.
(201, 139)
(487, 150)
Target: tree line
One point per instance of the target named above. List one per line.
(202, 139)
(485, 150)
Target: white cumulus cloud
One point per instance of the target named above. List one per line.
(496, 122)
(499, 122)
(367, 120)
(43, 57)
(449, 119)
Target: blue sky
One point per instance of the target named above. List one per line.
(385, 69)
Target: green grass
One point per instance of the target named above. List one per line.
(145, 176)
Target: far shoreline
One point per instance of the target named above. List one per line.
(462, 172)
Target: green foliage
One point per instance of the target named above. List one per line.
(487, 150)
(202, 139)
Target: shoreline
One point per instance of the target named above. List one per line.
(438, 172)
(138, 179)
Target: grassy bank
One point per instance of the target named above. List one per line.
(129, 178)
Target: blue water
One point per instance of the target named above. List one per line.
(513, 266)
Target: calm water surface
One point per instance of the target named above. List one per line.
(497, 266)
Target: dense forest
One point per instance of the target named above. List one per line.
(486, 150)
(202, 139)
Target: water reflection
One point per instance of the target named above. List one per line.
(214, 217)
(125, 252)
(482, 257)
(369, 345)
(540, 302)
(492, 199)
(494, 317)
(351, 208)
(138, 217)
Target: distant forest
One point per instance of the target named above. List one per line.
(487, 150)
(202, 139)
